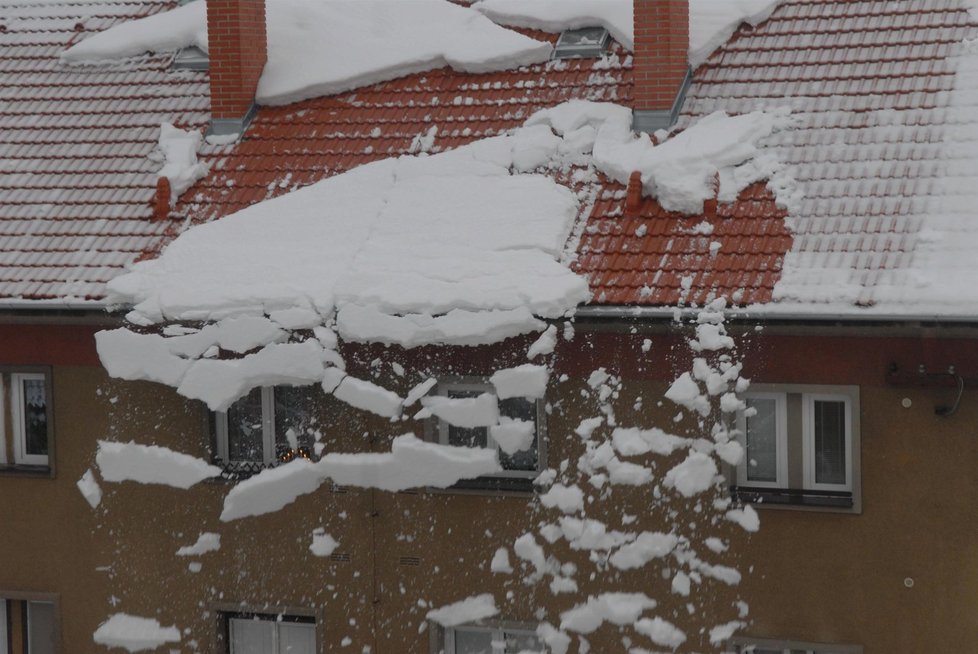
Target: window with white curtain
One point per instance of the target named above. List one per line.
(801, 446)
(25, 405)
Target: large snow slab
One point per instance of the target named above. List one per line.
(151, 464)
(329, 46)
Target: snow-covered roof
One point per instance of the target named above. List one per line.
(879, 157)
(77, 176)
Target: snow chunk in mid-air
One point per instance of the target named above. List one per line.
(330, 46)
(151, 464)
(692, 476)
(528, 381)
(90, 489)
(322, 543)
(208, 541)
(134, 634)
(617, 608)
(477, 607)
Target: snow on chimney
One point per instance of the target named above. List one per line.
(237, 49)
(660, 62)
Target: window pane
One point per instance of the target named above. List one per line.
(251, 636)
(462, 436)
(830, 442)
(762, 441)
(40, 625)
(245, 428)
(473, 642)
(521, 409)
(516, 643)
(35, 416)
(295, 419)
(296, 638)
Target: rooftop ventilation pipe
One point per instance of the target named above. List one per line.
(237, 48)
(660, 63)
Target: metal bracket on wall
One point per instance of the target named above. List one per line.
(922, 377)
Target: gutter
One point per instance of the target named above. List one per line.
(661, 314)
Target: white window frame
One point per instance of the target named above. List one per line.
(267, 429)
(18, 418)
(498, 631)
(442, 427)
(781, 442)
(28, 608)
(3, 626)
(274, 624)
(808, 440)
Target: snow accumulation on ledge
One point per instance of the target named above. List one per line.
(381, 40)
(460, 248)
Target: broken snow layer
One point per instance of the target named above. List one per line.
(711, 22)
(134, 634)
(207, 542)
(477, 607)
(617, 608)
(151, 464)
(181, 168)
(411, 463)
(528, 381)
(329, 46)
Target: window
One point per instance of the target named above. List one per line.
(270, 634)
(267, 427)
(801, 446)
(26, 408)
(584, 42)
(519, 468)
(498, 639)
(28, 626)
(767, 646)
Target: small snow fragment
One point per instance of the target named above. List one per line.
(468, 412)
(681, 583)
(322, 543)
(648, 546)
(526, 548)
(632, 442)
(730, 452)
(528, 381)
(420, 391)
(692, 476)
(206, 542)
(661, 632)
(500, 562)
(545, 344)
(715, 545)
(477, 607)
(195, 566)
(90, 489)
(513, 435)
(710, 337)
(746, 517)
(151, 464)
(569, 499)
(723, 632)
(686, 392)
(134, 634)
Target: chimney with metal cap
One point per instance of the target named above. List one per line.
(237, 49)
(660, 63)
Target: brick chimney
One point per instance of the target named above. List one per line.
(237, 49)
(660, 62)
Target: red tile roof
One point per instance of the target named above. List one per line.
(76, 183)
(836, 64)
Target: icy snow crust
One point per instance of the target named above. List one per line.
(330, 46)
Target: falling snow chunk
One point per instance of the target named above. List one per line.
(477, 607)
(544, 345)
(569, 499)
(730, 452)
(528, 380)
(648, 546)
(632, 441)
(722, 633)
(685, 392)
(206, 542)
(327, 47)
(681, 584)
(411, 463)
(526, 548)
(711, 337)
(500, 562)
(513, 435)
(151, 464)
(467, 412)
(368, 396)
(661, 632)
(692, 476)
(89, 489)
(420, 391)
(746, 517)
(134, 634)
(617, 608)
(322, 543)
